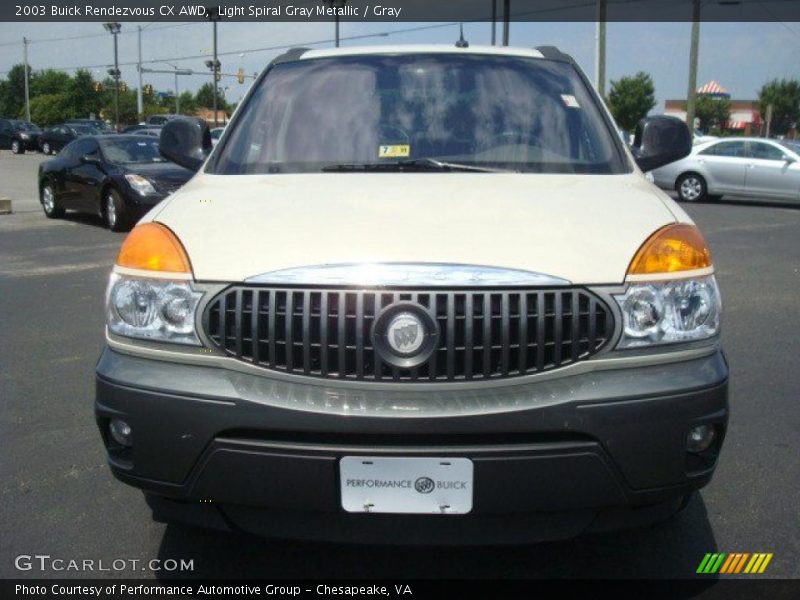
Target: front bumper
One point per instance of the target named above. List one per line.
(233, 450)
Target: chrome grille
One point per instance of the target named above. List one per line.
(482, 334)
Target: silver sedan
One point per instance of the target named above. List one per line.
(753, 167)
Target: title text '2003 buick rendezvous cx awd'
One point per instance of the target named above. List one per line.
(416, 294)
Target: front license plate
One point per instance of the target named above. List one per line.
(406, 485)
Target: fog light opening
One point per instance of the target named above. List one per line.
(121, 432)
(700, 438)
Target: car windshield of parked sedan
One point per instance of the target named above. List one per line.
(421, 112)
(84, 130)
(24, 126)
(139, 150)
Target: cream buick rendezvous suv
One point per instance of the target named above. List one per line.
(416, 294)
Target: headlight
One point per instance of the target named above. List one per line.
(669, 311)
(140, 184)
(24, 136)
(153, 309)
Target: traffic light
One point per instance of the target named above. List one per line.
(98, 87)
(240, 75)
(123, 87)
(219, 76)
(147, 90)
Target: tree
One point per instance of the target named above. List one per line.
(712, 113)
(784, 95)
(50, 109)
(82, 98)
(48, 82)
(12, 93)
(631, 98)
(205, 97)
(127, 103)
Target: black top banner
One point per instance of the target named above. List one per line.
(403, 10)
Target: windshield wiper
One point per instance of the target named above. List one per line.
(415, 164)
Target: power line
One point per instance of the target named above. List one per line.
(98, 35)
(268, 48)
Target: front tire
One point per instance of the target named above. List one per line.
(114, 211)
(17, 148)
(51, 209)
(691, 187)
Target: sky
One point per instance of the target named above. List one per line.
(739, 56)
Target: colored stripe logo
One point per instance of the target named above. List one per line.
(734, 563)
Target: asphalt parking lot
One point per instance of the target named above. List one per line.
(59, 498)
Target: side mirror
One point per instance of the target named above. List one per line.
(788, 159)
(186, 142)
(660, 140)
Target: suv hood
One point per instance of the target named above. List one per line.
(582, 228)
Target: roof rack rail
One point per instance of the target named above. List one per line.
(290, 55)
(553, 53)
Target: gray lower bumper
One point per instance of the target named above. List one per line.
(564, 453)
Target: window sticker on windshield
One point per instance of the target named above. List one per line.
(394, 151)
(570, 101)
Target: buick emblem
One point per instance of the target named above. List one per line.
(405, 333)
(424, 485)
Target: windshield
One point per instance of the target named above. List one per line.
(140, 150)
(85, 130)
(502, 112)
(24, 126)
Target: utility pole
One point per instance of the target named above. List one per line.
(27, 91)
(691, 95)
(506, 20)
(213, 15)
(600, 50)
(113, 29)
(335, 5)
(139, 100)
(494, 22)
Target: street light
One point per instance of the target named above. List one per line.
(336, 4)
(114, 29)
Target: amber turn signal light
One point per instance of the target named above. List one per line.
(153, 247)
(677, 247)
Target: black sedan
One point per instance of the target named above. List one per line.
(19, 136)
(117, 177)
(55, 138)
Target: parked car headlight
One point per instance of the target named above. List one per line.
(140, 184)
(153, 309)
(669, 311)
(25, 136)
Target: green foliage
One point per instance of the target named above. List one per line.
(127, 103)
(712, 113)
(205, 97)
(784, 95)
(49, 82)
(12, 93)
(631, 98)
(50, 109)
(82, 98)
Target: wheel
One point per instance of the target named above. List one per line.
(46, 148)
(691, 187)
(16, 147)
(114, 212)
(51, 210)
